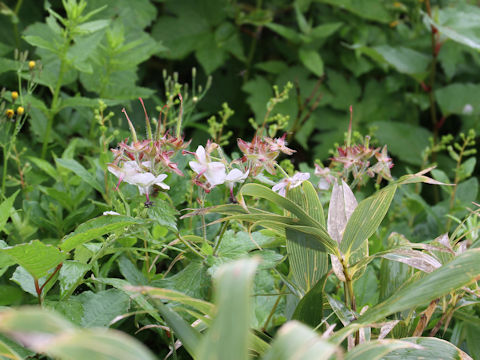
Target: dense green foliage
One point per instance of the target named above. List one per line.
(345, 223)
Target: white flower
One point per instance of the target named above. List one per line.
(467, 109)
(144, 181)
(213, 171)
(290, 183)
(129, 168)
(131, 173)
(235, 176)
(110, 213)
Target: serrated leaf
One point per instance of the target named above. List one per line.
(312, 60)
(36, 257)
(5, 208)
(100, 308)
(95, 228)
(70, 275)
(79, 170)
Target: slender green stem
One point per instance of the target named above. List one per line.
(264, 327)
(433, 68)
(54, 105)
(6, 154)
(220, 237)
(187, 244)
(15, 23)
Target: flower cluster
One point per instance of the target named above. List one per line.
(355, 160)
(261, 153)
(146, 163)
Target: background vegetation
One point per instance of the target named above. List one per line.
(404, 74)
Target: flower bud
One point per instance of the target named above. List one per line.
(14, 95)
(31, 64)
(20, 110)
(9, 113)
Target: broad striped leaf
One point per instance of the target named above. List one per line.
(366, 219)
(307, 265)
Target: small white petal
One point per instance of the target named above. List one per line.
(197, 167)
(215, 173)
(110, 213)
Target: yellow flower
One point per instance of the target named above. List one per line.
(9, 113)
(20, 110)
(31, 64)
(14, 95)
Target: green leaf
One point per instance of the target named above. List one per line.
(202, 306)
(307, 265)
(233, 301)
(405, 60)
(6, 352)
(209, 55)
(287, 32)
(459, 99)
(71, 273)
(366, 219)
(325, 30)
(312, 61)
(310, 308)
(130, 272)
(100, 308)
(460, 272)
(428, 348)
(374, 350)
(79, 170)
(95, 228)
(404, 140)
(458, 23)
(36, 257)
(5, 208)
(45, 166)
(297, 341)
(48, 333)
(163, 214)
(368, 9)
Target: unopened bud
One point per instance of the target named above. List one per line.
(20, 110)
(14, 95)
(31, 64)
(9, 113)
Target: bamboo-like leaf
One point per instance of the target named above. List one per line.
(297, 341)
(264, 192)
(188, 335)
(310, 308)
(463, 270)
(48, 333)
(229, 332)
(307, 265)
(428, 348)
(341, 208)
(366, 219)
(414, 258)
(378, 349)
(166, 294)
(6, 352)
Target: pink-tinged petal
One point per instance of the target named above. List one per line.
(197, 167)
(201, 155)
